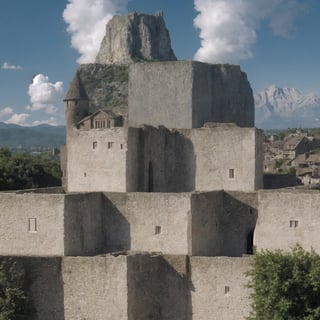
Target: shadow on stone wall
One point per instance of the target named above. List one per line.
(276, 181)
(159, 288)
(168, 161)
(239, 220)
(117, 235)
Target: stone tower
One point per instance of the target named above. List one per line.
(76, 103)
(135, 37)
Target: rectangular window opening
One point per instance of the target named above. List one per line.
(231, 173)
(226, 289)
(110, 145)
(32, 225)
(94, 144)
(294, 223)
(157, 230)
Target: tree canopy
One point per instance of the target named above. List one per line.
(285, 285)
(14, 303)
(26, 171)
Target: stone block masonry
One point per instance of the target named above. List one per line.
(96, 223)
(287, 217)
(137, 286)
(50, 224)
(32, 224)
(95, 288)
(178, 223)
(187, 94)
(219, 288)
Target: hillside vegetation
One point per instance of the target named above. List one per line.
(105, 85)
(25, 138)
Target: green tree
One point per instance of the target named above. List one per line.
(14, 303)
(285, 285)
(278, 164)
(25, 171)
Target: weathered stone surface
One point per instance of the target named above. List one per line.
(219, 288)
(287, 217)
(135, 37)
(187, 94)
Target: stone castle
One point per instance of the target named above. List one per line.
(161, 205)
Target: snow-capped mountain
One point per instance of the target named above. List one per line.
(282, 108)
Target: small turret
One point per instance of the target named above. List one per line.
(76, 102)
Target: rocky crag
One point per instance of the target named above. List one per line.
(132, 38)
(136, 37)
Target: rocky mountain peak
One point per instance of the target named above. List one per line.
(273, 94)
(281, 108)
(135, 37)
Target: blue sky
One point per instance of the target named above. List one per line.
(274, 41)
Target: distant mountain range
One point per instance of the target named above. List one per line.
(42, 136)
(282, 108)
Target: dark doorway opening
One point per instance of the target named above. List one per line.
(250, 242)
(150, 177)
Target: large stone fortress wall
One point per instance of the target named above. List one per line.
(186, 94)
(182, 158)
(226, 157)
(288, 217)
(138, 286)
(103, 160)
(161, 160)
(33, 219)
(50, 224)
(96, 223)
(214, 223)
(178, 223)
(158, 214)
(197, 159)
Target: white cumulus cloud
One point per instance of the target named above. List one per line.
(19, 119)
(228, 28)
(51, 121)
(8, 66)
(6, 112)
(45, 95)
(86, 21)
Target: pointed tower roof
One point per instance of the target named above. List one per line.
(76, 90)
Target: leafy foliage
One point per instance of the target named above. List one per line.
(14, 303)
(106, 85)
(278, 164)
(285, 285)
(25, 171)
